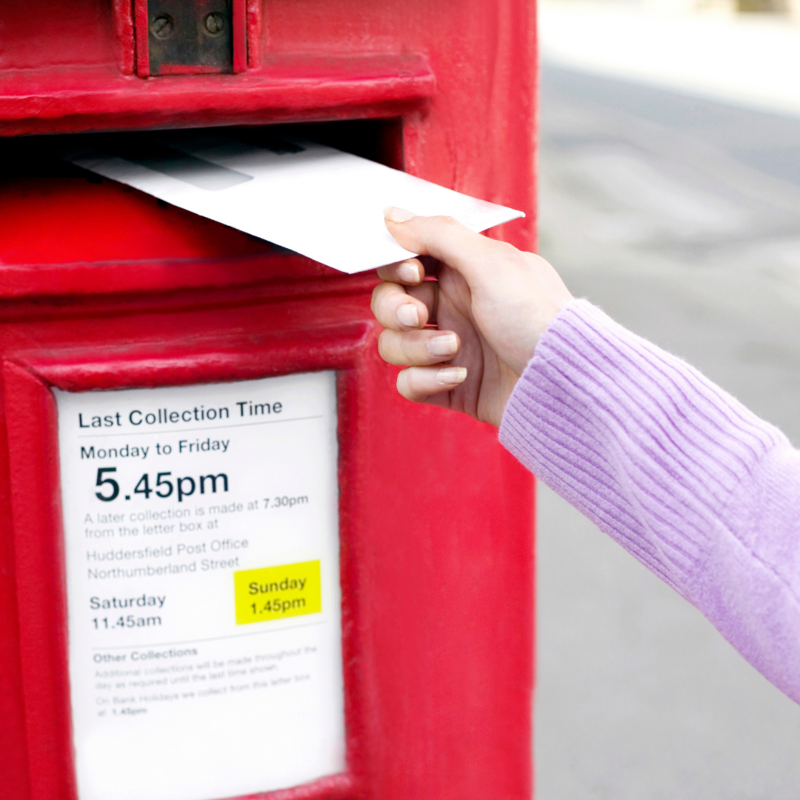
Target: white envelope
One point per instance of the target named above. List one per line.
(320, 202)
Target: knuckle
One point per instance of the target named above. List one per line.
(383, 344)
(390, 347)
(443, 228)
(509, 252)
(537, 262)
(384, 298)
(378, 295)
(407, 348)
(531, 260)
(373, 299)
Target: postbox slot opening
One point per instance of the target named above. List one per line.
(78, 215)
(377, 140)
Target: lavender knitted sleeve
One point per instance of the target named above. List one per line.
(685, 478)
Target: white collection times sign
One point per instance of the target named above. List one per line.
(202, 550)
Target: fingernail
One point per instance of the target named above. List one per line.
(397, 214)
(408, 272)
(408, 315)
(444, 345)
(452, 376)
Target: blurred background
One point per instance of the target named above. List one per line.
(670, 196)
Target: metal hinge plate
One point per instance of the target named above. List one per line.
(190, 36)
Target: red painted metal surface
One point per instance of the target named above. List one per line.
(240, 35)
(102, 287)
(140, 42)
(284, 89)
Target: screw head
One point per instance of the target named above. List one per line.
(214, 23)
(163, 26)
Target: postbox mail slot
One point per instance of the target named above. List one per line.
(53, 211)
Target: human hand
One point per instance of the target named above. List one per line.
(490, 304)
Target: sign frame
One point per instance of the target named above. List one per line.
(39, 550)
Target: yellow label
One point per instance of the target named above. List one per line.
(277, 592)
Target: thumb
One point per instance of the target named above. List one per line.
(447, 240)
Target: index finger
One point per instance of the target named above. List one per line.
(446, 239)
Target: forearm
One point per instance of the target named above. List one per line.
(678, 472)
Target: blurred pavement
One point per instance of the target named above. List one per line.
(680, 216)
(751, 59)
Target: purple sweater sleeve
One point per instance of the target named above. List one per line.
(684, 477)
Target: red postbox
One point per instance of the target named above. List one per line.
(122, 316)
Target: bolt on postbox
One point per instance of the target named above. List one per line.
(233, 561)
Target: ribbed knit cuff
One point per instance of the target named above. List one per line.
(634, 437)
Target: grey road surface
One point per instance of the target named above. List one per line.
(681, 218)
